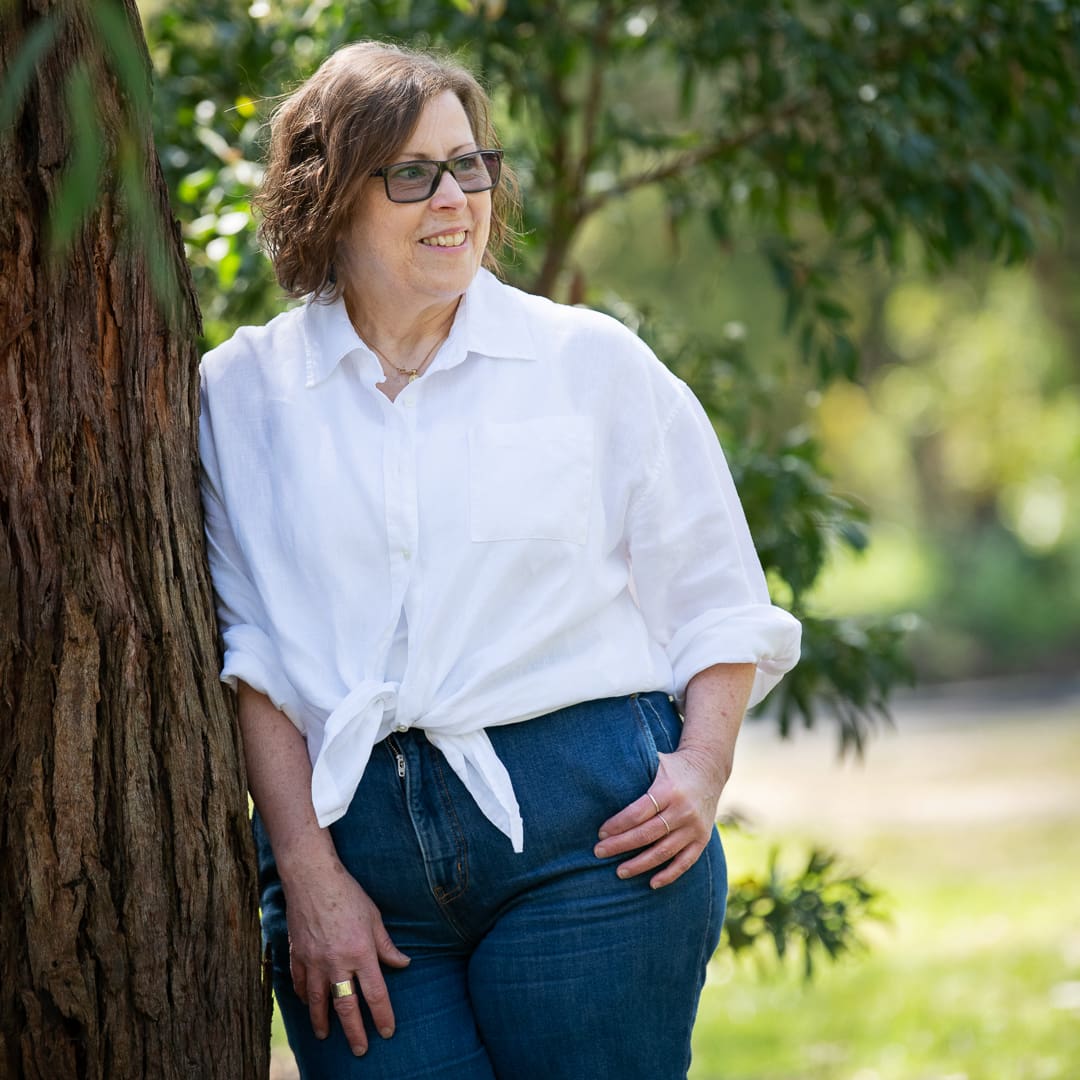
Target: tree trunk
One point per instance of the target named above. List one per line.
(128, 925)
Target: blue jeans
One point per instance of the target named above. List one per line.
(540, 965)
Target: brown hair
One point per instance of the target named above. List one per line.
(349, 118)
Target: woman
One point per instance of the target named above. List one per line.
(465, 544)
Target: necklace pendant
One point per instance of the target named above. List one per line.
(413, 375)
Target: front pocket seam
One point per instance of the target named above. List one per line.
(659, 726)
(650, 740)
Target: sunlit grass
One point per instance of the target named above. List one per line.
(977, 978)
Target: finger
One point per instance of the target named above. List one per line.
(386, 950)
(656, 828)
(299, 978)
(373, 987)
(630, 817)
(677, 867)
(317, 994)
(656, 855)
(348, 1012)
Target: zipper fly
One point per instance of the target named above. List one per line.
(399, 757)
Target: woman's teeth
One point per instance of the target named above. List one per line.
(446, 240)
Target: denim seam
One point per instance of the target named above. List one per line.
(708, 920)
(646, 731)
(703, 959)
(459, 834)
(404, 784)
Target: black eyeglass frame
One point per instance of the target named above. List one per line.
(441, 167)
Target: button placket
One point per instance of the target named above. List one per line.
(402, 528)
(414, 591)
(399, 493)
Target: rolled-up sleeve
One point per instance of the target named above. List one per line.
(697, 577)
(249, 650)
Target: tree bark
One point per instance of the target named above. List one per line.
(129, 924)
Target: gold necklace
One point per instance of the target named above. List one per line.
(412, 373)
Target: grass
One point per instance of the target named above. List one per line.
(978, 975)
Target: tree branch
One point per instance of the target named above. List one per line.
(691, 159)
(593, 99)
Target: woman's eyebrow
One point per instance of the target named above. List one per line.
(419, 155)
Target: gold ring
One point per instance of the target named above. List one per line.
(653, 800)
(343, 989)
(666, 825)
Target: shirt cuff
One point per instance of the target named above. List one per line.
(250, 655)
(760, 634)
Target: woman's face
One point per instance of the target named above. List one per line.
(390, 253)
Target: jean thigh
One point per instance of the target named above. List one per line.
(614, 967)
(592, 976)
(436, 1037)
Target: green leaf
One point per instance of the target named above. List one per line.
(117, 36)
(145, 227)
(845, 357)
(832, 309)
(21, 70)
(80, 185)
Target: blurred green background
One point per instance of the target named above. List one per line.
(952, 444)
(961, 438)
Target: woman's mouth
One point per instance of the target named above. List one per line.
(446, 240)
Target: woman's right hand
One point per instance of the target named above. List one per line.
(336, 934)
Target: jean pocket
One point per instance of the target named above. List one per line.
(531, 480)
(659, 722)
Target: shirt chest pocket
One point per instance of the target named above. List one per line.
(531, 480)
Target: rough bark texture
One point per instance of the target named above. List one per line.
(129, 943)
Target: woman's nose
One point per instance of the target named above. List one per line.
(448, 192)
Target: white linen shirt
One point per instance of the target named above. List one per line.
(547, 505)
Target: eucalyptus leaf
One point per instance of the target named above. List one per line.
(80, 185)
(21, 70)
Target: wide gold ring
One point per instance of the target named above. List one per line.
(343, 989)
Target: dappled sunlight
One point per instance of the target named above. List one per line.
(979, 381)
(967, 454)
(895, 574)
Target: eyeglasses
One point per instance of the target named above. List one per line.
(415, 181)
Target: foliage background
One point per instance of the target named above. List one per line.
(806, 209)
(851, 226)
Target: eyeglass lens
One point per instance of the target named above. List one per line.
(412, 181)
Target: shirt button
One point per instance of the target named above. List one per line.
(406, 554)
(410, 403)
(401, 728)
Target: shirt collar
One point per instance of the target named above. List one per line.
(491, 321)
(495, 320)
(329, 336)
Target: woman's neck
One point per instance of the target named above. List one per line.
(402, 339)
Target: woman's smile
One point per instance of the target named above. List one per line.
(447, 239)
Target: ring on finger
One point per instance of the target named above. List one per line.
(666, 825)
(342, 989)
(652, 799)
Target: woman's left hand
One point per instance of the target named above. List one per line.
(672, 823)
